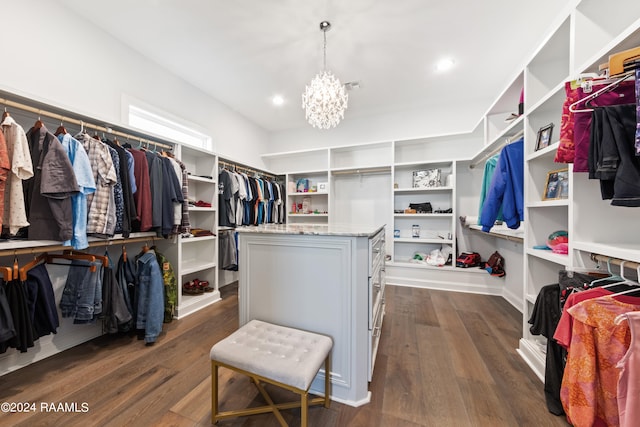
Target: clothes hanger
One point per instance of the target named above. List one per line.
(38, 124)
(617, 60)
(5, 114)
(124, 253)
(7, 274)
(60, 130)
(103, 259)
(72, 256)
(596, 94)
(22, 273)
(634, 286)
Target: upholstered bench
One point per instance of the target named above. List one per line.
(278, 355)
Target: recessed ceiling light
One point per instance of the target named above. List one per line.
(445, 64)
(277, 100)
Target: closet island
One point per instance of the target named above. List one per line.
(327, 279)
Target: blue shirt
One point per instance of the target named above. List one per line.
(84, 175)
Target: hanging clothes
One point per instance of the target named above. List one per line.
(566, 151)
(155, 182)
(48, 194)
(612, 157)
(589, 385)
(116, 314)
(7, 330)
(185, 221)
(15, 214)
(41, 301)
(82, 294)
(227, 188)
(86, 184)
(171, 195)
(143, 202)
(170, 286)
(629, 381)
(507, 188)
(102, 216)
(24, 335)
(128, 212)
(150, 298)
(5, 170)
(118, 197)
(637, 139)
(487, 176)
(127, 280)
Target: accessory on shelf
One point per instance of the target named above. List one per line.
(421, 207)
(495, 265)
(468, 259)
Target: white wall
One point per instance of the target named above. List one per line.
(53, 56)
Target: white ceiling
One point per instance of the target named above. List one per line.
(242, 52)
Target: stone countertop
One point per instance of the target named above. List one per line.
(314, 229)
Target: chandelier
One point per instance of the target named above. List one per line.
(325, 98)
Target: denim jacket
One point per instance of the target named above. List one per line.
(150, 313)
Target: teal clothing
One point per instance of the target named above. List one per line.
(489, 168)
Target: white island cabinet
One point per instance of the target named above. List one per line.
(327, 279)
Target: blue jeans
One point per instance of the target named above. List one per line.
(150, 313)
(82, 294)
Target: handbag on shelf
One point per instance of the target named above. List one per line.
(421, 207)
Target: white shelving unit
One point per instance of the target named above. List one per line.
(196, 257)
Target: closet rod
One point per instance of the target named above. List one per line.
(65, 119)
(38, 249)
(238, 166)
(496, 150)
(614, 261)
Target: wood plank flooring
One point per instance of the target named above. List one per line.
(445, 359)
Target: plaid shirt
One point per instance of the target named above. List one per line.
(105, 176)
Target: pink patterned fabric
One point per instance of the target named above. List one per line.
(629, 382)
(566, 149)
(590, 381)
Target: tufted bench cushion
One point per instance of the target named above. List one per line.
(282, 354)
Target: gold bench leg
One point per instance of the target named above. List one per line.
(327, 381)
(304, 408)
(214, 392)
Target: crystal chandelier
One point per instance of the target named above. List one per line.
(325, 98)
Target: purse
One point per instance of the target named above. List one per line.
(421, 207)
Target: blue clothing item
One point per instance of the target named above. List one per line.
(131, 163)
(150, 314)
(487, 177)
(41, 301)
(507, 188)
(82, 293)
(84, 176)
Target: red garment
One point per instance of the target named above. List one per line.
(566, 149)
(143, 194)
(5, 168)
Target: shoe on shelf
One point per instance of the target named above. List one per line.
(202, 204)
(203, 285)
(191, 288)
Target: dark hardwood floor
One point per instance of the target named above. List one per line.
(445, 359)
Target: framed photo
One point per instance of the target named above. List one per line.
(544, 137)
(323, 187)
(557, 185)
(426, 178)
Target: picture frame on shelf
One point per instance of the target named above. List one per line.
(323, 187)
(544, 137)
(557, 185)
(429, 178)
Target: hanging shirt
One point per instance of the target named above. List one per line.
(101, 215)
(15, 214)
(487, 176)
(87, 185)
(629, 381)
(5, 170)
(590, 382)
(142, 197)
(48, 193)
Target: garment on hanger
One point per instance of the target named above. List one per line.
(566, 148)
(5, 170)
(226, 198)
(156, 169)
(24, 335)
(125, 212)
(127, 280)
(41, 301)
(150, 299)
(101, 217)
(624, 93)
(170, 286)
(507, 188)
(7, 330)
(637, 140)
(487, 177)
(15, 214)
(589, 384)
(142, 197)
(171, 196)
(48, 193)
(115, 312)
(86, 184)
(629, 380)
(612, 157)
(82, 294)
